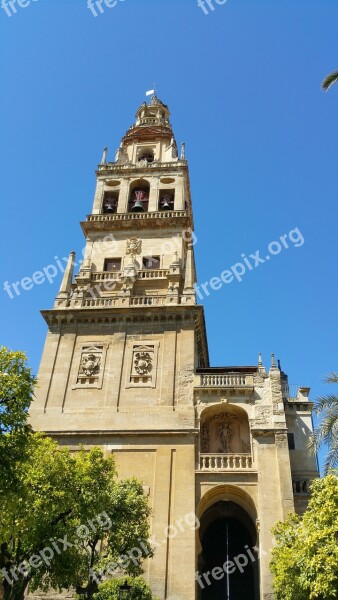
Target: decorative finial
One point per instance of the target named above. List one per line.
(278, 363)
(66, 283)
(182, 151)
(273, 362)
(104, 156)
(260, 361)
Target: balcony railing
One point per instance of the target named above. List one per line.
(137, 216)
(128, 301)
(100, 302)
(152, 274)
(225, 462)
(301, 486)
(132, 166)
(147, 300)
(224, 380)
(106, 276)
(142, 274)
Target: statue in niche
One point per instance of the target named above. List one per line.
(224, 437)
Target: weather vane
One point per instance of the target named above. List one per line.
(151, 92)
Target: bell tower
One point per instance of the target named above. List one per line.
(125, 367)
(125, 336)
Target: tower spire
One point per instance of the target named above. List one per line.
(66, 284)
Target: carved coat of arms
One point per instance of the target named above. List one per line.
(90, 364)
(142, 362)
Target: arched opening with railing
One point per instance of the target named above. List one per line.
(225, 438)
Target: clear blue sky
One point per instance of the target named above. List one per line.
(243, 87)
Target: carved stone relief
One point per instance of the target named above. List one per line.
(133, 246)
(90, 370)
(225, 433)
(143, 362)
(143, 365)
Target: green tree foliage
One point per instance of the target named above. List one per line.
(327, 431)
(16, 393)
(305, 558)
(110, 589)
(330, 80)
(70, 521)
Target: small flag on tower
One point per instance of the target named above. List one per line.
(150, 92)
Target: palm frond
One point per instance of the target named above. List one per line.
(312, 444)
(331, 460)
(330, 80)
(325, 403)
(331, 378)
(328, 428)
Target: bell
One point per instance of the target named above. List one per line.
(166, 205)
(137, 207)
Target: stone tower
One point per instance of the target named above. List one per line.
(125, 366)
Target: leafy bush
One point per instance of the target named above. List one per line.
(109, 590)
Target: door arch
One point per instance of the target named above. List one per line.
(228, 564)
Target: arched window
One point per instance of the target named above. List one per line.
(166, 200)
(146, 154)
(110, 202)
(139, 197)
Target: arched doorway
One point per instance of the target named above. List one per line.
(228, 563)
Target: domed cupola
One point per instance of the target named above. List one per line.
(150, 139)
(154, 113)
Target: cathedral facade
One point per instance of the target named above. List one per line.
(221, 451)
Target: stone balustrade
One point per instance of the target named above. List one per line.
(142, 216)
(124, 301)
(224, 380)
(100, 302)
(301, 486)
(142, 274)
(153, 274)
(147, 300)
(158, 165)
(225, 462)
(106, 276)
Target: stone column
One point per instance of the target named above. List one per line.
(153, 195)
(269, 503)
(122, 206)
(98, 199)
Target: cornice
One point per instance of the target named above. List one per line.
(154, 168)
(124, 432)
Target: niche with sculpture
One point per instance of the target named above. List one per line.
(226, 433)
